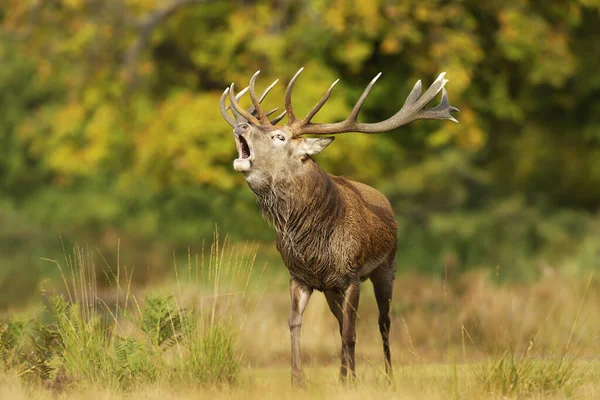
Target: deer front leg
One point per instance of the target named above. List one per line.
(300, 294)
(349, 309)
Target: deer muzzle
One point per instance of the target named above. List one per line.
(244, 162)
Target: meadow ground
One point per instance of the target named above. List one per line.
(218, 332)
(426, 381)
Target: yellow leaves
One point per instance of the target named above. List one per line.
(368, 12)
(75, 141)
(520, 34)
(27, 130)
(390, 45)
(403, 30)
(555, 62)
(99, 131)
(456, 45)
(187, 140)
(459, 76)
(79, 143)
(73, 4)
(92, 96)
(423, 11)
(335, 15)
(528, 38)
(83, 34)
(590, 3)
(173, 113)
(436, 13)
(44, 69)
(354, 53)
(458, 54)
(68, 119)
(141, 6)
(241, 25)
(348, 15)
(14, 13)
(467, 134)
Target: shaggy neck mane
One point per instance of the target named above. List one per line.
(298, 204)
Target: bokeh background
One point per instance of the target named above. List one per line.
(110, 133)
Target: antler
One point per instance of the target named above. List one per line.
(413, 109)
(255, 113)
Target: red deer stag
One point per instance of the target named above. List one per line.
(332, 232)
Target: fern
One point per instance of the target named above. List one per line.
(161, 320)
(132, 362)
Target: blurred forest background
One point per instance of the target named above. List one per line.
(110, 129)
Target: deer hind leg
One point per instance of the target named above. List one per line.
(335, 300)
(383, 286)
(300, 295)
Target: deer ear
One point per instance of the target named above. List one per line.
(312, 146)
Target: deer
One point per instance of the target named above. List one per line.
(332, 233)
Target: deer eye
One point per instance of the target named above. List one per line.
(279, 137)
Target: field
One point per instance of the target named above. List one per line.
(219, 329)
(434, 381)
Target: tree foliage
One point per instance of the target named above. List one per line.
(110, 118)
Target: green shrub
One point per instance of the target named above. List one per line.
(78, 337)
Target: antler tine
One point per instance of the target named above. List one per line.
(433, 90)
(288, 98)
(319, 105)
(230, 120)
(252, 109)
(442, 110)
(241, 93)
(236, 106)
(267, 90)
(271, 112)
(415, 102)
(354, 113)
(238, 117)
(413, 109)
(278, 118)
(255, 101)
(414, 94)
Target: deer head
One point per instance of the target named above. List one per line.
(268, 151)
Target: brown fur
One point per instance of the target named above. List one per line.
(327, 227)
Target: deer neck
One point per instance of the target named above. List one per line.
(300, 201)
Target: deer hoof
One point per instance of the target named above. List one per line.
(298, 381)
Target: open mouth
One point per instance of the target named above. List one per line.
(244, 149)
(244, 162)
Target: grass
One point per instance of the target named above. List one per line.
(509, 374)
(209, 333)
(76, 337)
(431, 381)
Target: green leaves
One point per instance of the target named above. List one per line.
(109, 120)
(161, 319)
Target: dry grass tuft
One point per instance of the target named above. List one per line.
(509, 374)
